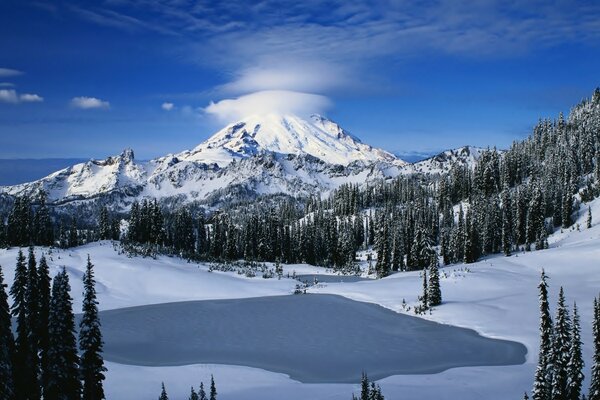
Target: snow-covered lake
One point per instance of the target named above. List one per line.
(316, 338)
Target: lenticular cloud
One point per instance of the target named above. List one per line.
(268, 102)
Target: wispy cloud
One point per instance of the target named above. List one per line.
(11, 96)
(167, 106)
(7, 72)
(88, 103)
(268, 102)
(7, 84)
(31, 98)
(321, 46)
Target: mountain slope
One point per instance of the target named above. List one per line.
(259, 155)
(288, 134)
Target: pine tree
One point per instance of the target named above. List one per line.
(560, 349)
(201, 392)
(90, 340)
(44, 290)
(193, 395)
(213, 389)
(575, 366)
(63, 374)
(32, 299)
(26, 385)
(163, 393)
(589, 217)
(594, 393)
(434, 295)
(7, 390)
(543, 378)
(425, 296)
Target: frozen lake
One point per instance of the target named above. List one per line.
(321, 278)
(313, 338)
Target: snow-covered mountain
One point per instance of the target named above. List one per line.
(286, 134)
(465, 156)
(268, 154)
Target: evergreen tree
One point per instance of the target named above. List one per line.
(434, 295)
(560, 349)
(63, 374)
(90, 340)
(32, 299)
(542, 386)
(575, 366)
(193, 395)
(425, 296)
(213, 389)
(594, 393)
(589, 217)
(7, 390)
(163, 393)
(26, 384)
(201, 392)
(44, 291)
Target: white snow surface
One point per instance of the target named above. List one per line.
(286, 134)
(496, 296)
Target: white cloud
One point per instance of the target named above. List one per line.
(87, 103)
(31, 98)
(298, 76)
(11, 96)
(268, 102)
(7, 84)
(167, 106)
(8, 96)
(6, 72)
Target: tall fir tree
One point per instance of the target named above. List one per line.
(193, 394)
(32, 299)
(560, 349)
(90, 340)
(163, 393)
(44, 291)
(62, 381)
(26, 384)
(213, 389)
(434, 290)
(7, 389)
(202, 392)
(542, 386)
(594, 393)
(575, 366)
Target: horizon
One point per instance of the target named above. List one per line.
(401, 77)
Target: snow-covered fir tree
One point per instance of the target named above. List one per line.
(91, 364)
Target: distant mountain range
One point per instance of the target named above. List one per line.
(259, 155)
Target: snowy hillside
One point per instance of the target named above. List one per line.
(496, 296)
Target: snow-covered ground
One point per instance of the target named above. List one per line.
(496, 296)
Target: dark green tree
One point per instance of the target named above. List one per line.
(594, 393)
(434, 296)
(560, 349)
(26, 384)
(213, 389)
(62, 382)
(7, 390)
(542, 386)
(163, 393)
(90, 340)
(575, 366)
(44, 292)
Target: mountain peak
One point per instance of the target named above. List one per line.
(287, 134)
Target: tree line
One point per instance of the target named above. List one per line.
(42, 359)
(559, 375)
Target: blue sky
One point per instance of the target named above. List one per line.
(89, 78)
